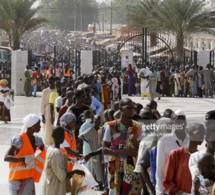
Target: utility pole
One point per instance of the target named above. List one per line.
(81, 15)
(143, 46)
(75, 16)
(94, 21)
(111, 17)
(103, 22)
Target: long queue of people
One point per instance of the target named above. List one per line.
(169, 80)
(117, 139)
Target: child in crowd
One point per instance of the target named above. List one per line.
(206, 167)
(56, 166)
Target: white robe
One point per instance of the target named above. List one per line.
(55, 172)
(45, 110)
(144, 82)
(177, 84)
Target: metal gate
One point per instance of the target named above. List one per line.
(155, 48)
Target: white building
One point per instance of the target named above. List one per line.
(200, 41)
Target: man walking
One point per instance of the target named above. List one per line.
(45, 110)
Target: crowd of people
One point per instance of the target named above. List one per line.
(148, 81)
(117, 139)
(168, 80)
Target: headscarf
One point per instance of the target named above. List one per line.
(179, 113)
(3, 82)
(65, 120)
(29, 121)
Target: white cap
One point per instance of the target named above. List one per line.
(179, 113)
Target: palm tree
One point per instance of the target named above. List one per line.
(18, 17)
(179, 18)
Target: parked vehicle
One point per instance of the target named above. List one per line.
(5, 54)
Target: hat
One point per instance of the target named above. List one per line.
(66, 119)
(179, 113)
(29, 121)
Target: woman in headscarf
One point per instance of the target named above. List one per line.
(21, 157)
(6, 101)
(68, 122)
(145, 160)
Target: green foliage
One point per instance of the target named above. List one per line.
(177, 17)
(70, 14)
(18, 17)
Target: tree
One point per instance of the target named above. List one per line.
(179, 18)
(18, 17)
(70, 15)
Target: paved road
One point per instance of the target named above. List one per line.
(195, 110)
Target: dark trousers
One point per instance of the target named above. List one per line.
(200, 92)
(125, 88)
(130, 89)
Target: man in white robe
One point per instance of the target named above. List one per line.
(144, 75)
(45, 111)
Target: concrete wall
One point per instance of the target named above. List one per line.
(86, 61)
(203, 58)
(18, 65)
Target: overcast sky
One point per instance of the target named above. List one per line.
(37, 3)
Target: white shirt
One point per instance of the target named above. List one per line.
(193, 163)
(165, 145)
(205, 184)
(107, 134)
(106, 138)
(96, 105)
(59, 102)
(146, 71)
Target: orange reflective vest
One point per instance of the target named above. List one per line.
(72, 145)
(40, 161)
(19, 170)
(67, 73)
